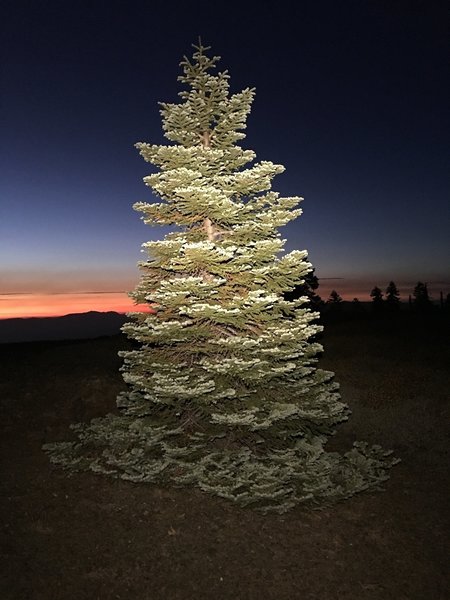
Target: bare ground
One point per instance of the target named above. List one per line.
(88, 537)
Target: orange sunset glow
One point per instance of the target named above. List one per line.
(24, 305)
(56, 305)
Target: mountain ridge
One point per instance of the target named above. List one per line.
(89, 324)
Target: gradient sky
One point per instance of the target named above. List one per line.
(350, 96)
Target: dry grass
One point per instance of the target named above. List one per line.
(87, 537)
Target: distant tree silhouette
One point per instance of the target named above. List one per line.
(422, 300)
(334, 298)
(392, 297)
(377, 299)
(307, 288)
(334, 305)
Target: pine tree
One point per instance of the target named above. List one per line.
(377, 299)
(307, 288)
(224, 390)
(422, 300)
(334, 298)
(392, 297)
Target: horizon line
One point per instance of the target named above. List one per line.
(60, 293)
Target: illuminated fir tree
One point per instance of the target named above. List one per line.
(307, 288)
(224, 390)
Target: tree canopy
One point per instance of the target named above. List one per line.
(224, 391)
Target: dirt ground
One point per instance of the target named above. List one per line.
(88, 537)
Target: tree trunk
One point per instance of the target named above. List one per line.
(207, 224)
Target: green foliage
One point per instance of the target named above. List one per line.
(308, 289)
(224, 390)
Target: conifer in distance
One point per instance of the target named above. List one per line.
(334, 298)
(422, 300)
(392, 297)
(224, 390)
(377, 299)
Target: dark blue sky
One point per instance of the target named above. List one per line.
(350, 96)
